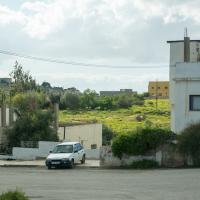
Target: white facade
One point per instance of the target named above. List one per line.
(89, 135)
(184, 82)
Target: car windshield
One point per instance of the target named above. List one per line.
(63, 149)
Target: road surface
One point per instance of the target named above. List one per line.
(96, 184)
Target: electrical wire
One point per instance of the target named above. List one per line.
(9, 53)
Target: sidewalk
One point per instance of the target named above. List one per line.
(41, 163)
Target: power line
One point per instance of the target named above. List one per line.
(77, 63)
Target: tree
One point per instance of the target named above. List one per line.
(33, 123)
(125, 101)
(89, 99)
(28, 102)
(106, 103)
(22, 81)
(46, 85)
(34, 127)
(70, 100)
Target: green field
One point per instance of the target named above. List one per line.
(122, 120)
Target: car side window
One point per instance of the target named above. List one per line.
(75, 147)
(79, 147)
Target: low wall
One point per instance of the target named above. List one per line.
(42, 151)
(25, 153)
(45, 147)
(93, 154)
(107, 159)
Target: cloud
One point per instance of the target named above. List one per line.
(8, 16)
(39, 19)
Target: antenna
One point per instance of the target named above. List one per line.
(185, 32)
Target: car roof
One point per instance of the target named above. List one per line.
(68, 143)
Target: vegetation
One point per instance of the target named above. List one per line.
(107, 135)
(33, 122)
(144, 164)
(140, 141)
(122, 120)
(22, 81)
(13, 195)
(189, 143)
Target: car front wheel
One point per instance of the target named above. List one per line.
(71, 164)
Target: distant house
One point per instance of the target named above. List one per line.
(184, 83)
(115, 93)
(159, 89)
(5, 82)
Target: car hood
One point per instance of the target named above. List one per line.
(59, 155)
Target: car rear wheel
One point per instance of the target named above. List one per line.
(83, 160)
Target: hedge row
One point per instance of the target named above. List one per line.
(140, 141)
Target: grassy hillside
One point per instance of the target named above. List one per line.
(123, 119)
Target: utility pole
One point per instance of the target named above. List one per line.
(156, 94)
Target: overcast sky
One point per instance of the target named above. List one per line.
(111, 32)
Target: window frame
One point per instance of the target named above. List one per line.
(191, 97)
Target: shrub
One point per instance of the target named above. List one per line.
(107, 135)
(144, 164)
(13, 195)
(140, 141)
(189, 142)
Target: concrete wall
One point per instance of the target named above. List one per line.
(20, 153)
(184, 81)
(93, 154)
(167, 156)
(87, 135)
(107, 159)
(43, 150)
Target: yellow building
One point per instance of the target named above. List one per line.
(158, 89)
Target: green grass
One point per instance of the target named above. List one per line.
(122, 120)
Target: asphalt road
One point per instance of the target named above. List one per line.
(95, 184)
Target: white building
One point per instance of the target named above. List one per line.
(89, 135)
(184, 83)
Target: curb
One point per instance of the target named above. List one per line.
(43, 166)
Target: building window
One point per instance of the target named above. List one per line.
(152, 88)
(158, 88)
(93, 146)
(166, 88)
(194, 102)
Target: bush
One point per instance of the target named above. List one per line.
(13, 195)
(189, 143)
(107, 135)
(145, 164)
(139, 142)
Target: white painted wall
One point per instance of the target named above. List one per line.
(184, 81)
(43, 150)
(86, 134)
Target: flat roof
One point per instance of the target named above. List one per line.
(173, 41)
(68, 143)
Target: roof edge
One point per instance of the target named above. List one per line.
(173, 41)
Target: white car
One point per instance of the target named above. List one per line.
(65, 155)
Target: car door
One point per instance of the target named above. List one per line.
(80, 151)
(76, 154)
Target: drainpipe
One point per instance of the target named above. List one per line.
(186, 47)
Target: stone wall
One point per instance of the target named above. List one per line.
(107, 159)
(166, 156)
